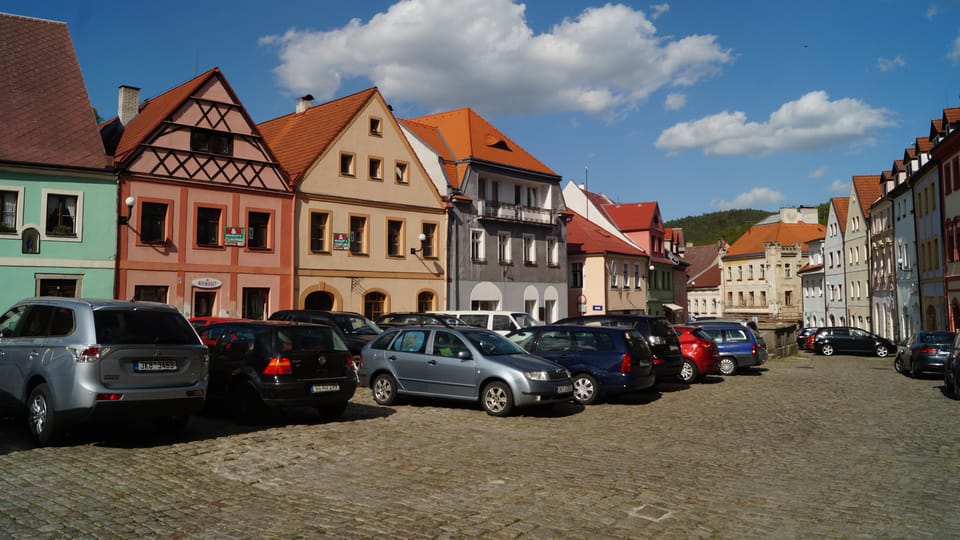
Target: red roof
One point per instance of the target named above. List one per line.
(584, 237)
(299, 139)
(868, 191)
(703, 265)
(632, 217)
(432, 137)
(841, 205)
(470, 136)
(787, 234)
(47, 116)
(923, 145)
(951, 115)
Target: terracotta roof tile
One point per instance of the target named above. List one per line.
(299, 139)
(584, 237)
(951, 115)
(701, 259)
(841, 206)
(868, 191)
(787, 234)
(936, 128)
(47, 116)
(923, 145)
(470, 136)
(432, 137)
(634, 216)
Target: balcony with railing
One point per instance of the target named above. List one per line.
(515, 212)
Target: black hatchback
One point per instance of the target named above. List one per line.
(659, 333)
(848, 339)
(263, 365)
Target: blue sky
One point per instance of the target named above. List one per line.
(700, 106)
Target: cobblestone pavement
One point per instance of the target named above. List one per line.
(805, 446)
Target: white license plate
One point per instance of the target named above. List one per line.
(564, 388)
(674, 347)
(141, 366)
(318, 388)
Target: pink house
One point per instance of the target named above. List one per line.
(207, 220)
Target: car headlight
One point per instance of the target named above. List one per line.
(537, 375)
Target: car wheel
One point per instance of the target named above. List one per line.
(384, 389)
(950, 383)
(497, 399)
(41, 419)
(914, 372)
(585, 390)
(826, 349)
(688, 372)
(898, 364)
(332, 411)
(882, 351)
(728, 366)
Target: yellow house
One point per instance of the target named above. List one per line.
(370, 224)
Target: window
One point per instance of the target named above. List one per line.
(762, 271)
(788, 298)
(9, 211)
(750, 272)
(58, 285)
(153, 222)
(255, 302)
(763, 298)
(61, 214)
(429, 231)
(482, 189)
(751, 298)
(529, 250)
(150, 293)
(318, 231)
(477, 248)
(376, 168)
(626, 275)
(376, 126)
(203, 302)
(374, 305)
(258, 230)
(636, 276)
(729, 273)
(576, 275)
(553, 252)
(208, 226)
(402, 172)
(425, 301)
(739, 273)
(740, 298)
(211, 142)
(394, 238)
(516, 195)
(30, 241)
(614, 281)
(358, 234)
(503, 248)
(347, 164)
(532, 198)
(786, 270)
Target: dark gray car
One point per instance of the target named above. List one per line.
(67, 360)
(468, 364)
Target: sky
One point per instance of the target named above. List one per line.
(699, 106)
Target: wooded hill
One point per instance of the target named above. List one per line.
(728, 225)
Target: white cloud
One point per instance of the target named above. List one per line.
(818, 173)
(482, 53)
(812, 122)
(931, 11)
(890, 64)
(954, 53)
(758, 196)
(656, 10)
(840, 187)
(675, 101)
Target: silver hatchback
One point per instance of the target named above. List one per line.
(68, 360)
(470, 364)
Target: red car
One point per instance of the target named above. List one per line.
(700, 354)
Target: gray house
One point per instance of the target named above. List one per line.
(506, 247)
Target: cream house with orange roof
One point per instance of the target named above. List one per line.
(371, 225)
(864, 191)
(760, 270)
(506, 230)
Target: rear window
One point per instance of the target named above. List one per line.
(661, 328)
(940, 338)
(637, 344)
(383, 341)
(474, 320)
(698, 332)
(309, 339)
(142, 326)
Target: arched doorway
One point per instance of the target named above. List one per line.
(319, 300)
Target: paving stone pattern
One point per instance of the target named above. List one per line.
(804, 447)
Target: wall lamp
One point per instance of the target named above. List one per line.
(129, 201)
(652, 267)
(422, 237)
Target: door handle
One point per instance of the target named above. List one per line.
(432, 362)
(392, 357)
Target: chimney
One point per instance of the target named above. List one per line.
(128, 104)
(304, 103)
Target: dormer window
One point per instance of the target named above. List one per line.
(211, 142)
(496, 142)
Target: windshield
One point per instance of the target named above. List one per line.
(491, 343)
(355, 325)
(525, 320)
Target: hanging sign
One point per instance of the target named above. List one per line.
(234, 236)
(341, 241)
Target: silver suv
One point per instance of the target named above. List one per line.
(68, 360)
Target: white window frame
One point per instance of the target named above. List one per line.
(553, 251)
(504, 248)
(478, 237)
(529, 249)
(77, 219)
(18, 218)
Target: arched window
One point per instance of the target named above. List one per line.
(374, 305)
(425, 302)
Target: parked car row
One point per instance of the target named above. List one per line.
(64, 361)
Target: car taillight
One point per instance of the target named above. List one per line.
(109, 397)
(753, 349)
(354, 363)
(928, 350)
(657, 360)
(90, 354)
(278, 366)
(626, 364)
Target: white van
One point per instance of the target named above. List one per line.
(502, 322)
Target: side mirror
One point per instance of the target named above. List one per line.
(464, 355)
